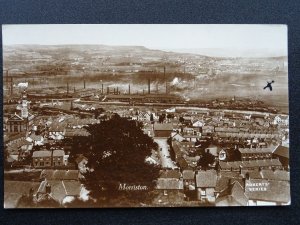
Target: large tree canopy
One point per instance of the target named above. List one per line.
(206, 160)
(117, 156)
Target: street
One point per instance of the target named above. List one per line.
(164, 153)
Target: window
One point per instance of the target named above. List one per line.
(41, 163)
(203, 192)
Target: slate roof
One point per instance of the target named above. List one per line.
(275, 175)
(188, 175)
(58, 153)
(163, 126)
(281, 151)
(61, 189)
(169, 184)
(170, 174)
(42, 153)
(77, 132)
(59, 174)
(255, 150)
(277, 191)
(250, 164)
(205, 179)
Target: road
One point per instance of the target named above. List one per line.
(164, 153)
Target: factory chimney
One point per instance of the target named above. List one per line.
(11, 86)
(67, 87)
(102, 89)
(165, 80)
(129, 89)
(149, 86)
(84, 83)
(7, 81)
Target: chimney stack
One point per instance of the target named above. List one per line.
(149, 86)
(129, 89)
(107, 91)
(84, 83)
(165, 79)
(11, 86)
(102, 89)
(67, 87)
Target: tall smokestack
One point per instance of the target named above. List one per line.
(102, 89)
(11, 86)
(165, 79)
(67, 87)
(107, 90)
(7, 81)
(84, 83)
(149, 86)
(129, 89)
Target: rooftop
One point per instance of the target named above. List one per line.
(206, 178)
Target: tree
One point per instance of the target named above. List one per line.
(116, 157)
(161, 118)
(206, 159)
(181, 119)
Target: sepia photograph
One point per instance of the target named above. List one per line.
(145, 115)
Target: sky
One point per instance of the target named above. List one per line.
(215, 40)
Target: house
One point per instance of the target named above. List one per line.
(190, 137)
(42, 158)
(255, 153)
(144, 116)
(170, 191)
(198, 123)
(206, 183)
(172, 174)
(262, 192)
(250, 165)
(58, 158)
(45, 158)
(235, 196)
(281, 120)
(35, 139)
(189, 184)
(178, 137)
(189, 179)
(213, 149)
(282, 154)
(61, 191)
(207, 129)
(162, 130)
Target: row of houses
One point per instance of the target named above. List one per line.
(264, 187)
